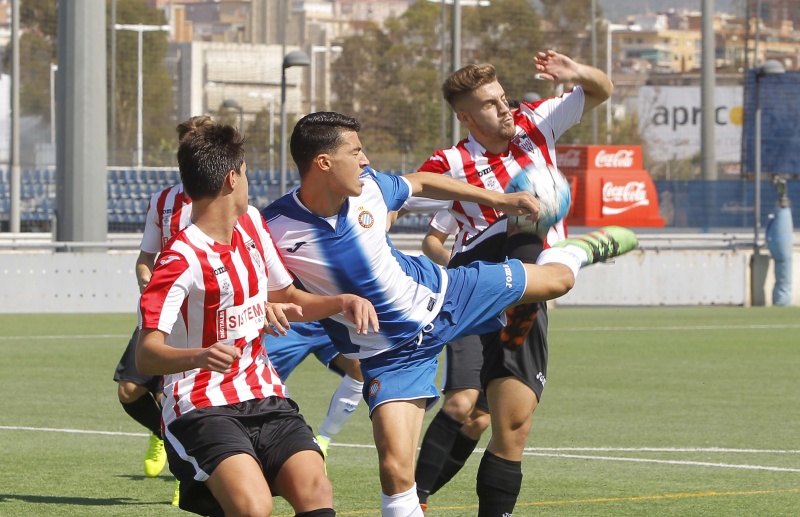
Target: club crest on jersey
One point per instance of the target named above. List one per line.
(365, 219)
(374, 387)
(523, 141)
(254, 255)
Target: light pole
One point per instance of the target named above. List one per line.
(455, 54)
(770, 67)
(294, 58)
(140, 29)
(53, 70)
(271, 99)
(611, 27)
(318, 49)
(232, 104)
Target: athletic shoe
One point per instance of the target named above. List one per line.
(156, 457)
(176, 498)
(603, 244)
(323, 444)
(424, 507)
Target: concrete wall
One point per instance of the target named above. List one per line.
(102, 282)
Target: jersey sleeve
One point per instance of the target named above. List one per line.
(164, 296)
(436, 163)
(277, 274)
(560, 113)
(396, 189)
(444, 222)
(151, 238)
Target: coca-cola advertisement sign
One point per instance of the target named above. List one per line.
(569, 158)
(621, 159)
(627, 196)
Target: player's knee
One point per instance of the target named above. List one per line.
(128, 392)
(251, 505)
(477, 424)
(459, 407)
(398, 470)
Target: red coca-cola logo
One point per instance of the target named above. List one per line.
(632, 194)
(569, 159)
(622, 159)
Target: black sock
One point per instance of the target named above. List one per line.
(146, 411)
(434, 451)
(461, 451)
(499, 481)
(319, 512)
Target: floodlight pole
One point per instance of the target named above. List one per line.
(140, 29)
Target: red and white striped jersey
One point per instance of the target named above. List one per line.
(169, 211)
(538, 126)
(203, 292)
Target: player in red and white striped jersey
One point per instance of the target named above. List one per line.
(501, 143)
(233, 437)
(168, 212)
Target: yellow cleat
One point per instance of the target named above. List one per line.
(156, 457)
(176, 499)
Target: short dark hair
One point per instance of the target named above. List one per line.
(319, 133)
(206, 155)
(466, 80)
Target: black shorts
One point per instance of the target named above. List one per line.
(126, 369)
(520, 348)
(271, 430)
(463, 367)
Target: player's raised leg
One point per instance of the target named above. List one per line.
(555, 270)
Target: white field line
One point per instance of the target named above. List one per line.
(532, 451)
(668, 328)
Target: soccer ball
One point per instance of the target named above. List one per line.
(552, 189)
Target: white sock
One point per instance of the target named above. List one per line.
(343, 404)
(401, 505)
(574, 257)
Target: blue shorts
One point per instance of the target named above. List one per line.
(476, 297)
(303, 339)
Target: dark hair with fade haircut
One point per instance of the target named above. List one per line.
(319, 133)
(206, 155)
(466, 80)
(187, 126)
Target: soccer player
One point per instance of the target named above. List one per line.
(500, 144)
(233, 438)
(168, 212)
(331, 234)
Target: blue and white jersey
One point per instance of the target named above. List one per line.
(351, 253)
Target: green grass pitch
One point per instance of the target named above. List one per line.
(647, 412)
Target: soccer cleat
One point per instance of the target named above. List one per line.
(323, 445)
(603, 244)
(156, 457)
(424, 507)
(176, 498)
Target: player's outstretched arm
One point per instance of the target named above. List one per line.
(155, 357)
(358, 310)
(560, 69)
(438, 186)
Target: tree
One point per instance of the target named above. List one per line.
(390, 79)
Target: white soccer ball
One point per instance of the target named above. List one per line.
(552, 189)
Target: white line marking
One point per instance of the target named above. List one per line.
(660, 449)
(664, 462)
(68, 431)
(677, 327)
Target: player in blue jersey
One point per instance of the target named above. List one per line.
(331, 234)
